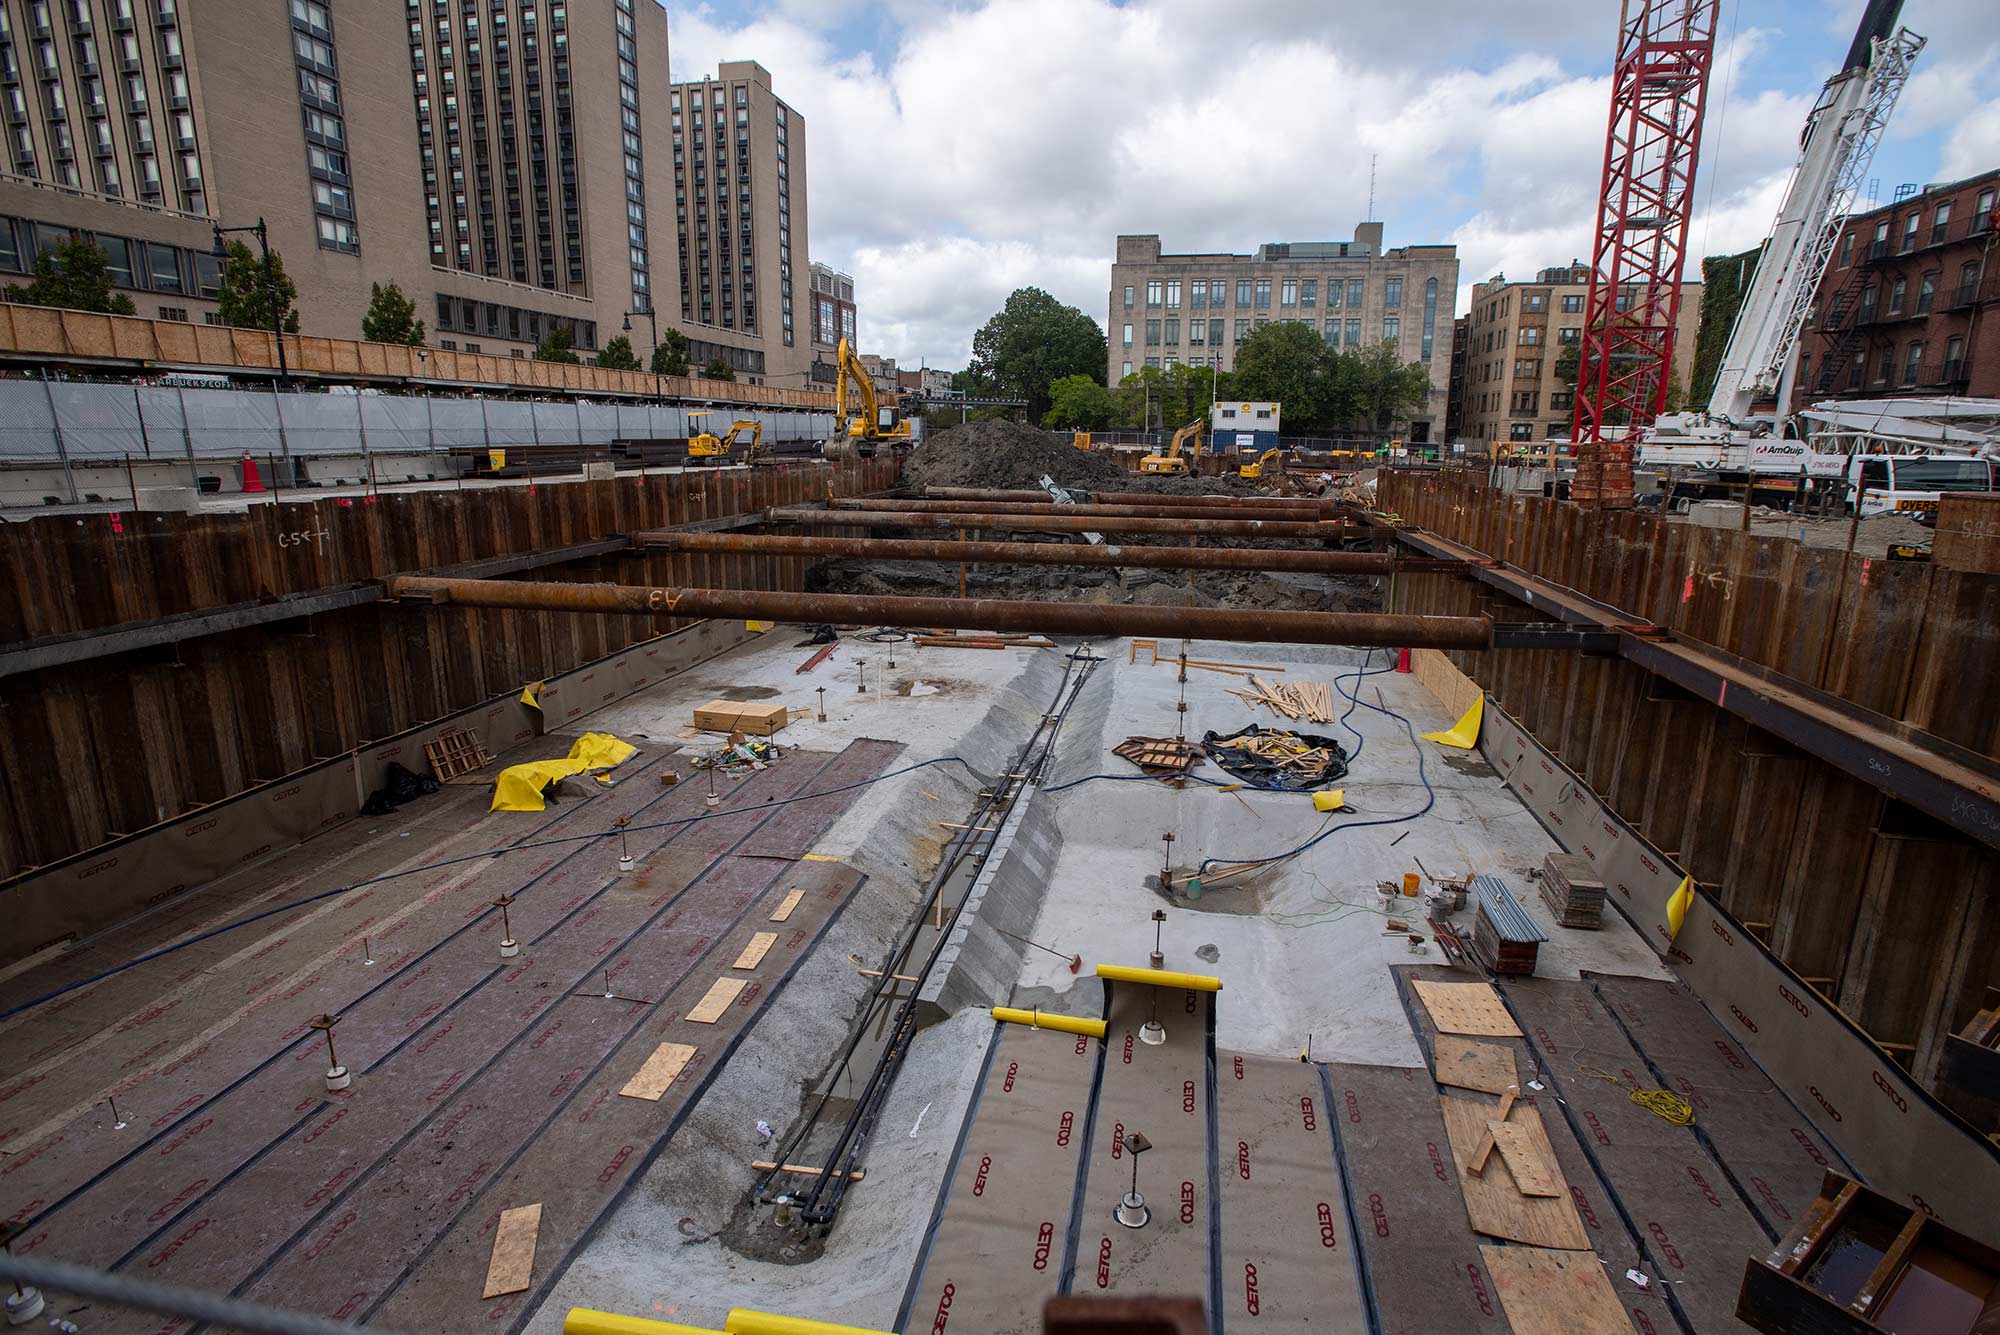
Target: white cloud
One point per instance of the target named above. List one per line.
(998, 143)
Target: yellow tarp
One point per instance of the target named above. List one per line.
(1679, 903)
(1465, 733)
(519, 787)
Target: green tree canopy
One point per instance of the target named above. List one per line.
(671, 357)
(718, 369)
(76, 276)
(558, 345)
(1079, 403)
(1032, 342)
(248, 289)
(1292, 365)
(1378, 389)
(391, 317)
(617, 355)
(1724, 279)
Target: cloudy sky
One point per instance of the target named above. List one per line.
(958, 151)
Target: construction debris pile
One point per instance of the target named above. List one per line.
(1156, 588)
(1286, 762)
(1006, 455)
(1308, 700)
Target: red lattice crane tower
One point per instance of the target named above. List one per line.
(1658, 89)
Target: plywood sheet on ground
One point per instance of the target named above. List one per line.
(1466, 1008)
(662, 1068)
(1163, 1092)
(1491, 1201)
(1288, 1257)
(786, 905)
(512, 1264)
(998, 1247)
(1521, 1151)
(753, 953)
(716, 1000)
(1466, 1064)
(1555, 1293)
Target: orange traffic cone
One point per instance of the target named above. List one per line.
(252, 480)
(1403, 661)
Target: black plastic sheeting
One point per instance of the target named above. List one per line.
(1257, 772)
(398, 786)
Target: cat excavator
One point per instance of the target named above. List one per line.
(862, 423)
(1255, 468)
(717, 449)
(1171, 462)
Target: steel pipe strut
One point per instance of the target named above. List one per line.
(1086, 619)
(1163, 510)
(1184, 528)
(1219, 502)
(1310, 561)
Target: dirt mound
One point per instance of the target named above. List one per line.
(1227, 484)
(1007, 455)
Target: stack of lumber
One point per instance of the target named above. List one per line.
(1308, 700)
(1284, 750)
(984, 640)
(1572, 891)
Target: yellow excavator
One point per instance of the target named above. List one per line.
(708, 446)
(862, 423)
(1255, 468)
(1172, 462)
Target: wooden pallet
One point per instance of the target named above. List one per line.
(456, 752)
(1163, 757)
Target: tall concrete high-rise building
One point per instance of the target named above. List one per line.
(740, 221)
(508, 163)
(1514, 336)
(1168, 310)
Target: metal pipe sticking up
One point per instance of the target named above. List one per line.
(1202, 623)
(1163, 510)
(1309, 561)
(1060, 523)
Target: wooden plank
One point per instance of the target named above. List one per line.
(1492, 1204)
(512, 1265)
(660, 1070)
(1466, 1008)
(710, 1008)
(785, 907)
(1487, 1142)
(753, 954)
(1555, 1293)
(1486, 1067)
(1533, 1175)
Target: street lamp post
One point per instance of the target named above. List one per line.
(221, 252)
(653, 362)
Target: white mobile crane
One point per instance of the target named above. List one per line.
(1758, 365)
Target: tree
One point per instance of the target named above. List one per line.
(1080, 404)
(558, 345)
(76, 275)
(718, 369)
(671, 357)
(1569, 363)
(618, 355)
(1289, 364)
(391, 317)
(245, 298)
(1383, 390)
(1724, 280)
(1032, 342)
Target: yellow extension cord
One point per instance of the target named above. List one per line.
(1665, 1103)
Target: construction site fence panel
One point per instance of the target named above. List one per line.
(51, 420)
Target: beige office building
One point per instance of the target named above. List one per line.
(1515, 334)
(507, 163)
(1168, 310)
(740, 220)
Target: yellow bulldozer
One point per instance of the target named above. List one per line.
(1173, 462)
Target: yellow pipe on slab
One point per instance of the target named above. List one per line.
(1068, 1024)
(742, 1321)
(1193, 982)
(584, 1321)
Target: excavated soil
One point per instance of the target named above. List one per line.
(1005, 455)
(1063, 584)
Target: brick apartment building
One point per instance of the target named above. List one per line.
(1902, 307)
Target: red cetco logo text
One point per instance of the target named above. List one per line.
(1328, 1235)
(1045, 1238)
(979, 1178)
(1187, 1202)
(1307, 1114)
(1064, 1127)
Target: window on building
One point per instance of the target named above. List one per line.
(1242, 330)
(1128, 296)
(1392, 291)
(1926, 292)
(1528, 368)
(1854, 370)
(1243, 294)
(1968, 284)
(1152, 333)
(1897, 293)
(1910, 226)
(1912, 356)
(1127, 371)
(1288, 292)
(1354, 333)
(1309, 292)
(1846, 249)
(1573, 304)
(1333, 290)
(1263, 294)
(1941, 223)
(1173, 294)
(1887, 366)
(1534, 303)
(1357, 292)
(1332, 332)
(1153, 292)
(1153, 361)
(1173, 333)
(1197, 333)
(1569, 333)
(1128, 335)
(1954, 359)
(1982, 213)
(1215, 336)
(1392, 329)
(1430, 317)
(1529, 336)
(163, 268)
(1198, 296)
(1867, 307)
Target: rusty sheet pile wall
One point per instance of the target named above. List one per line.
(109, 747)
(1889, 915)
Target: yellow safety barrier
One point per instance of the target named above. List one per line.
(1068, 1024)
(1463, 735)
(1194, 982)
(742, 1321)
(583, 1321)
